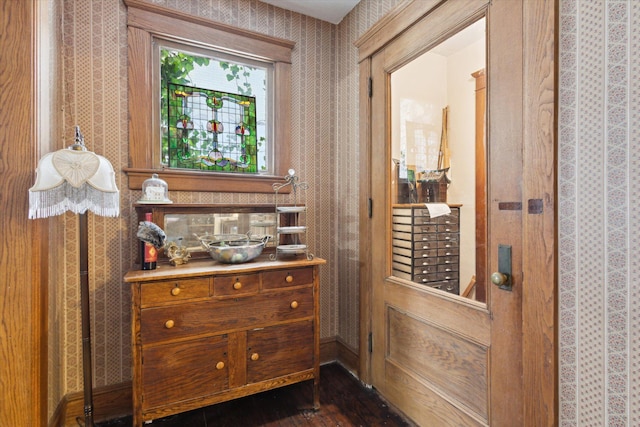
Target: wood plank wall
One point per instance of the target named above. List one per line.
(22, 243)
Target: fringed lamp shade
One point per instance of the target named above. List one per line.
(74, 180)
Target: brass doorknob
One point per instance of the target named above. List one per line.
(499, 279)
(219, 365)
(237, 285)
(294, 304)
(289, 278)
(169, 324)
(255, 356)
(175, 291)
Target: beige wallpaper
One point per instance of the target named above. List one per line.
(599, 201)
(93, 62)
(599, 128)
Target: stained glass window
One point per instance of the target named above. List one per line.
(213, 113)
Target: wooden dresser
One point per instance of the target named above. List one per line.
(204, 332)
(427, 250)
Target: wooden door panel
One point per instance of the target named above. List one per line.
(466, 318)
(185, 370)
(435, 360)
(453, 365)
(279, 350)
(441, 359)
(426, 406)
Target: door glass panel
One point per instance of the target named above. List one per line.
(435, 105)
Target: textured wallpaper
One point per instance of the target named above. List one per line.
(599, 167)
(93, 61)
(598, 189)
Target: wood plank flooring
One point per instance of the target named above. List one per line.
(343, 402)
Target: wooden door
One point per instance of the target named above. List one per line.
(442, 359)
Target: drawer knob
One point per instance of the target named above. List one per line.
(237, 285)
(289, 278)
(255, 356)
(220, 365)
(294, 304)
(175, 291)
(169, 324)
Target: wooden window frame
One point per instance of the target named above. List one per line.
(148, 24)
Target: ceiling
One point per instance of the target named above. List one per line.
(326, 10)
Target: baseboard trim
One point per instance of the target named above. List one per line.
(109, 402)
(115, 401)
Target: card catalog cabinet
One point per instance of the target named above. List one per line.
(426, 250)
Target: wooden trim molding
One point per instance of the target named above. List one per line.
(540, 364)
(147, 24)
(481, 186)
(23, 300)
(333, 349)
(147, 16)
(109, 402)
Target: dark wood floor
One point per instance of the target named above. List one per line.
(343, 402)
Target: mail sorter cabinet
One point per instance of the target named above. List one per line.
(427, 250)
(204, 333)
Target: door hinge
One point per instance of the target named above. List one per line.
(370, 342)
(370, 207)
(370, 87)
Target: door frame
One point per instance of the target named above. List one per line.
(538, 204)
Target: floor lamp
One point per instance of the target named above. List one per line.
(75, 179)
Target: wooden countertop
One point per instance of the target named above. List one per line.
(209, 266)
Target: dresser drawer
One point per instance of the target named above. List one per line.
(445, 252)
(448, 237)
(238, 284)
(451, 286)
(202, 317)
(423, 220)
(448, 228)
(184, 370)
(445, 244)
(284, 278)
(173, 291)
(421, 242)
(435, 277)
(422, 262)
(419, 253)
(453, 218)
(279, 350)
(426, 238)
(449, 260)
(426, 269)
(426, 228)
(446, 268)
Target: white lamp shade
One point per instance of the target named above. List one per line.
(76, 181)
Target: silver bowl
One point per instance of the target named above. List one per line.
(234, 252)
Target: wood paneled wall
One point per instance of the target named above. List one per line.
(23, 243)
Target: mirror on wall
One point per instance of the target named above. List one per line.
(437, 149)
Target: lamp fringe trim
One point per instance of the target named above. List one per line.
(65, 197)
